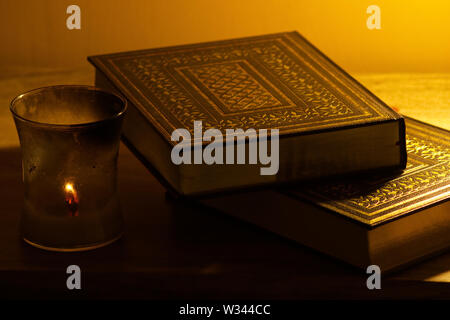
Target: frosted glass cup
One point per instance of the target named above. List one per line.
(69, 137)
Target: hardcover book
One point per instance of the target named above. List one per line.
(377, 219)
(328, 123)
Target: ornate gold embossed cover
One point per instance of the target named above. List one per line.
(272, 81)
(329, 124)
(425, 182)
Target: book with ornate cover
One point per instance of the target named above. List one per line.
(328, 123)
(377, 219)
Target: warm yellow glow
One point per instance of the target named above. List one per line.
(422, 96)
(413, 36)
(440, 277)
(69, 187)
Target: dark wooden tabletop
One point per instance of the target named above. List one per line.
(171, 250)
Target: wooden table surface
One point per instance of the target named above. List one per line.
(174, 251)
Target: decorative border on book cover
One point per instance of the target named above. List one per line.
(425, 181)
(274, 81)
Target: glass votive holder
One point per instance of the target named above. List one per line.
(69, 137)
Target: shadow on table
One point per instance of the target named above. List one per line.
(172, 249)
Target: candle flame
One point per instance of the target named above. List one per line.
(71, 199)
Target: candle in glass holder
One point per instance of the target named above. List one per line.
(70, 138)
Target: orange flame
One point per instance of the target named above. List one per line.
(71, 199)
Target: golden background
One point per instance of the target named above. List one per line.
(414, 35)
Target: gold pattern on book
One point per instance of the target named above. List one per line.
(381, 196)
(235, 87)
(403, 186)
(265, 83)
